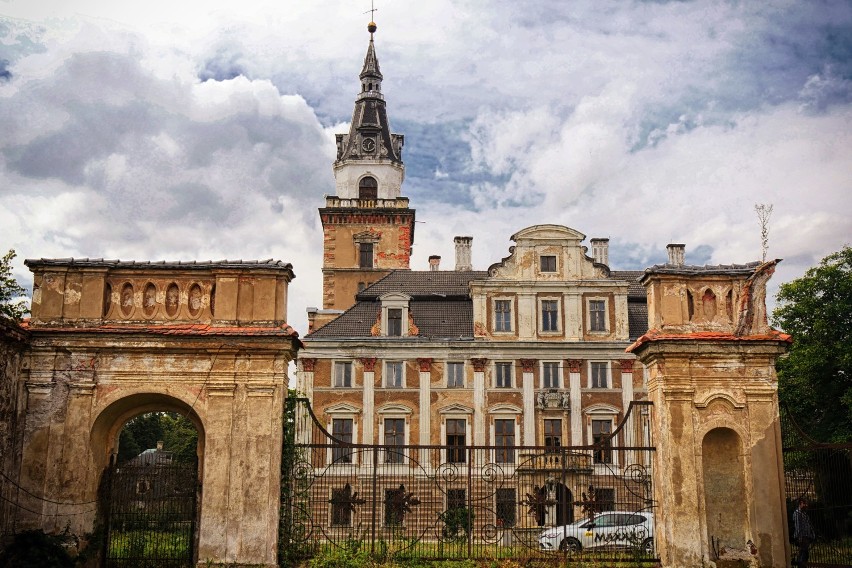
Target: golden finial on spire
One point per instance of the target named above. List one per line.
(371, 27)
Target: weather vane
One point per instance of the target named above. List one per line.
(372, 10)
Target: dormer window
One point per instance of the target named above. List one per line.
(395, 322)
(368, 188)
(394, 314)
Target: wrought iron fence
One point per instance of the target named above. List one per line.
(822, 474)
(150, 515)
(461, 501)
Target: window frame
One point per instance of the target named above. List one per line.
(394, 323)
(552, 320)
(453, 450)
(545, 365)
(509, 375)
(550, 436)
(399, 456)
(546, 269)
(500, 323)
(334, 379)
(452, 377)
(338, 452)
(592, 326)
(335, 508)
(363, 248)
(594, 382)
(504, 444)
(387, 374)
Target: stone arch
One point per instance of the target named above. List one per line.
(103, 438)
(725, 506)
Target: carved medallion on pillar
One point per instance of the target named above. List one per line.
(308, 364)
(528, 365)
(369, 364)
(479, 364)
(425, 364)
(574, 365)
(627, 365)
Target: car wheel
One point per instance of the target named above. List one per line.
(570, 545)
(648, 546)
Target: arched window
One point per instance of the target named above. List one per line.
(368, 188)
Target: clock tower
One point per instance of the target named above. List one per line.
(368, 228)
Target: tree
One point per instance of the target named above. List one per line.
(12, 306)
(815, 380)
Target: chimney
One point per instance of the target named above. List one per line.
(463, 261)
(159, 445)
(676, 254)
(600, 251)
(434, 263)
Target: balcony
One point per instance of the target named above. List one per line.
(337, 202)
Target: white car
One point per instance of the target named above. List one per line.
(610, 529)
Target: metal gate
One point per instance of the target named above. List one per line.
(822, 474)
(150, 515)
(584, 503)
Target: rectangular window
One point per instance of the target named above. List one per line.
(548, 264)
(601, 430)
(605, 499)
(456, 442)
(550, 375)
(365, 255)
(504, 440)
(455, 374)
(506, 507)
(502, 315)
(394, 507)
(599, 375)
(341, 509)
(549, 315)
(456, 499)
(552, 434)
(343, 374)
(503, 377)
(341, 429)
(394, 322)
(393, 374)
(597, 315)
(394, 439)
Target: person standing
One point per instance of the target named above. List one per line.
(803, 532)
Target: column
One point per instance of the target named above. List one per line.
(626, 399)
(479, 401)
(576, 401)
(368, 410)
(527, 367)
(425, 417)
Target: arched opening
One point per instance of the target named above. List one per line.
(368, 188)
(724, 489)
(149, 446)
(564, 505)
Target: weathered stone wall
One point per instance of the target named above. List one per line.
(13, 344)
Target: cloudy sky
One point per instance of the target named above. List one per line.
(205, 129)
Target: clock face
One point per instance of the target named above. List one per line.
(368, 145)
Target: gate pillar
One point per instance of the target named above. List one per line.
(710, 358)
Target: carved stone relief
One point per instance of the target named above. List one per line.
(172, 299)
(149, 300)
(195, 300)
(127, 299)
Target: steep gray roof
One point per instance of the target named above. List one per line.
(635, 290)
(420, 283)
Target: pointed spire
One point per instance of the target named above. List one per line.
(371, 63)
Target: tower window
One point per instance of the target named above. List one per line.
(368, 188)
(365, 255)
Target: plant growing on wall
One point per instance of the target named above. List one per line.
(13, 303)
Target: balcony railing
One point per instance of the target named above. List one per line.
(398, 203)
